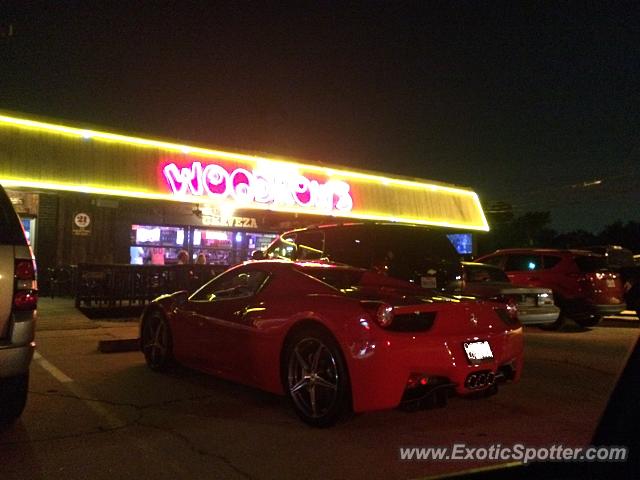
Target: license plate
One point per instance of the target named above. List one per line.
(611, 283)
(428, 282)
(478, 351)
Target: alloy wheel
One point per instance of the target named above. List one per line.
(313, 378)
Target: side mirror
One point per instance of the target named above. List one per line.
(258, 255)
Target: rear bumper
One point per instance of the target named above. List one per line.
(14, 360)
(380, 368)
(581, 307)
(538, 315)
(17, 351)
(607, 309)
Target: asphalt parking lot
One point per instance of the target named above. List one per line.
(94, 415)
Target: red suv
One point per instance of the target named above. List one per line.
(583, 286)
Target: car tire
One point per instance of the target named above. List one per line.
(315, 377)
(587, 320)
(557, 325)
(157, 342)
(13, 397)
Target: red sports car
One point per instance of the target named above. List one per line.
(334, 338)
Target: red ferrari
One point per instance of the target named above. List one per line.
(334, 338)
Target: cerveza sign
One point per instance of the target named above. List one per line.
(237, 222)
(266, 186)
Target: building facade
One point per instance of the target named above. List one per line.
(91, 196)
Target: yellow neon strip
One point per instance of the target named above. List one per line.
(186, 149)
(159, 196)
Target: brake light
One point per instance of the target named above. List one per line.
(25, 295)
(512, 309)
(24, 270)
(509, 314)
(384, 315)
(25, 300)
(380, 311)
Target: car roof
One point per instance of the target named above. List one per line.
(288, 264)
(357, 224)
(555, 251)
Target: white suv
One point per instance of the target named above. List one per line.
(18, 302)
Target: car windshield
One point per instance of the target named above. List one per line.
(338, 278)
(591, 263)
(10, 228)
(414, 244)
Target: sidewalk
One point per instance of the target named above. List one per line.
(59, 313)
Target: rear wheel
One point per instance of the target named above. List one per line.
(587, 320)
(13, 397)
(157, 343)
(316, 378)
(557, 325)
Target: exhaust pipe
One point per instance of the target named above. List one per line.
(479, 380)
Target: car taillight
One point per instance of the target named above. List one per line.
(545, 299)
(380, 311)
(25, 295)
(508, 314)
(24, 270)
(384, 315)
(579, 277)
(512, 309)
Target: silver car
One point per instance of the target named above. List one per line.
(18, 302)
(535, 304)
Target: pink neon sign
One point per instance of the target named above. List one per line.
(265, 186)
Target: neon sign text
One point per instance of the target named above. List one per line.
(260, 185)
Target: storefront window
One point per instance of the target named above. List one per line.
(227, 247)
(160, 245)
(156, 245)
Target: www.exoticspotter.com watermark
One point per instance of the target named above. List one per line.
(515, 453)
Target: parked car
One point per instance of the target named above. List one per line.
(417, 254)
(583, 286)
(334, 338)
(622, 261)
(535, 305)
(18, 301)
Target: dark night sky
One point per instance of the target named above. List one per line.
(524, 104)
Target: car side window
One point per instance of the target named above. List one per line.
(496, 261)
(550, 261)
(485, 274)
(10, 229)
(523, 263)
(283, 248)
(236, 284)
(310, 245)
(353, 246)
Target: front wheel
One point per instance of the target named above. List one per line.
(316, 378)
(157, 343)
(13, 397)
